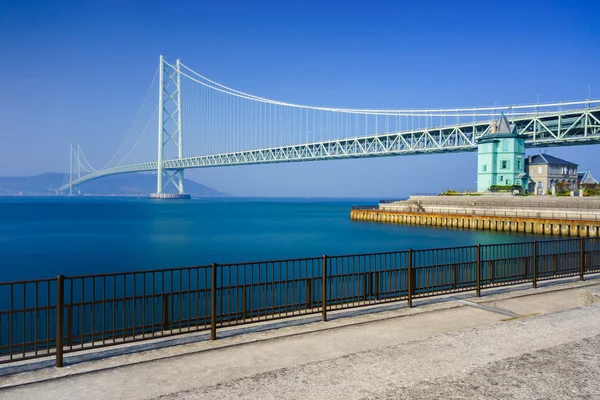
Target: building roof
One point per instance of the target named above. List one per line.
(502, 128)
(586, 176)
(540, 159)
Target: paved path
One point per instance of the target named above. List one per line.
(495, 361)
(567, 371)
(448, 353)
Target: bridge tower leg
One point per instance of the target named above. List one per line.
(170, 129)
(71, 170)
(74, 169)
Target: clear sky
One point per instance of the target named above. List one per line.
(76, 71)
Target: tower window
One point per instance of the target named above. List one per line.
(518, 164)
(501, 178)
(484, 168)
(504, 164)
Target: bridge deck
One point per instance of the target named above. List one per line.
(560, 128)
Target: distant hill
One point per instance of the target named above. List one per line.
(115, 185)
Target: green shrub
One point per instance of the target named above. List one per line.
(563, 189)
(505, 188)
(591, 189)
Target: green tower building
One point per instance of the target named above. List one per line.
(501, 157)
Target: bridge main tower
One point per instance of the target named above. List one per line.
(170, 130)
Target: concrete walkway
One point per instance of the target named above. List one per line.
(436, 350)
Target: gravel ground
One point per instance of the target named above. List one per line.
(568, 371)
(554, 356)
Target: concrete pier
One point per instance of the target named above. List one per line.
(540, 226)
(506, 224)
(575, 217)
(555, 216)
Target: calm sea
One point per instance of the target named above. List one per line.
(42, 237)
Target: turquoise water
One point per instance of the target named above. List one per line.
(42, 237)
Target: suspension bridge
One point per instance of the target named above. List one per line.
(202, 123)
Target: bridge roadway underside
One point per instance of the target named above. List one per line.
(569, 128)
(524, 343)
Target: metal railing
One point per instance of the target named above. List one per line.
(489, 212)
(53, 317)
(560, 203)
(370, 207)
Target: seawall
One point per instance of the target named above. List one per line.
(533, 214)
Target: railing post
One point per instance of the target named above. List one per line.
(60, 305)
(324, 289)
(535, 264)
(165, 312)
(309, 295)
(455, 275)
(409, 278)
(244, 303)
(70, 325)
(376, 284)
(581, 258)
(478, 271)
(213, 303)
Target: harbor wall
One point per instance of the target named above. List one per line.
(507, 223)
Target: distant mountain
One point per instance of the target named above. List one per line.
(114, 185)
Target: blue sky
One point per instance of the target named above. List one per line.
(76, 71)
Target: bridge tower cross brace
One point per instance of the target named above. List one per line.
(170, 132)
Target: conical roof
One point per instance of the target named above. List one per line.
(503, 127)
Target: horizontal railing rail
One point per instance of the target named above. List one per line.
(592, 215)
(573, 203)
(372, 207)
(53, 317)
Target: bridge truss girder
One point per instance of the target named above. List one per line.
(572, 127)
